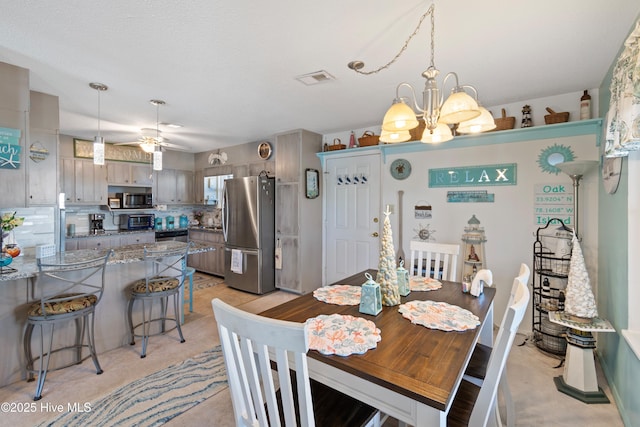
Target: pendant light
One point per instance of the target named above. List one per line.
(98, 141)
(157, 153)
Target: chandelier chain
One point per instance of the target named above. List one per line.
(429, 12)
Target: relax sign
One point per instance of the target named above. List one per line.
(474, 176)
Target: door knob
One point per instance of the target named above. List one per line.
(375, 220)
(375, 234)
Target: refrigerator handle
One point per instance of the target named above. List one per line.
(225, 211)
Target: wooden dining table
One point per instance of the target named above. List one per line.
(414, 372)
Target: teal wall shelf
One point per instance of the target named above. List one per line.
(560, 130)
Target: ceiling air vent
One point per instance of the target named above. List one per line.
(315, 78)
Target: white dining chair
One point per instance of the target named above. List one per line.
(253, 346)
(474, 403)
(477, 368)
(425, 256)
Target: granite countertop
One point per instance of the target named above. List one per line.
(26, 265)
(213, 229)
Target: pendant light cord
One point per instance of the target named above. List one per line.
(357, 65)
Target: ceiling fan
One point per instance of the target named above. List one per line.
(152, 138)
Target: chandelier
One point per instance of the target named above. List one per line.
(98, 141)
(460, 109)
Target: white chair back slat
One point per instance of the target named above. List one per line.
(436, 260)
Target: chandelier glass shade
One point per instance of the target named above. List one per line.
(395, 137)
(483, 123)
(399, 117)
(442, 133)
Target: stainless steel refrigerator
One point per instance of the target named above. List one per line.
(248, 223)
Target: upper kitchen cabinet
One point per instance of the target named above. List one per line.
(129, 174)
(173, 186)
(41, 168)
(14, 111)
(83, 182)
(198, 187)
(298, 218)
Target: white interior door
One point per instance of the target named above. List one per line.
(352, 215)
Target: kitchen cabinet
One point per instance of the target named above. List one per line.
(137, 238)
(129, 174)
(174, 187)
(83, 182)
(14, 114)
(42, 157)
(99, 242)
(107, 241)
(298, 219)
(198, 187)
(211, 262)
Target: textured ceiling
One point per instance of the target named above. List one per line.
(226, 69)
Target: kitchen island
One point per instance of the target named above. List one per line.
(17, 290)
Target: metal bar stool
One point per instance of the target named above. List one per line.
(69, 287)
(165, 273)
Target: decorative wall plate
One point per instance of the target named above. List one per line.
(400, 169)
(264, 150)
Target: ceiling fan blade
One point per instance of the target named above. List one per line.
(171, 146)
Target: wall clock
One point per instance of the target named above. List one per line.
(611, 170)
(264, 150)
(400, 169)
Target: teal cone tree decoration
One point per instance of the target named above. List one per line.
(387, 275)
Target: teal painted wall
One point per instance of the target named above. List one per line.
(619, 362)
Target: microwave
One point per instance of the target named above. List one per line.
(137, 221)
(135, 200)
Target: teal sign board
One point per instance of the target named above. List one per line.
(470, 197)
(474, 176)
(9, 148)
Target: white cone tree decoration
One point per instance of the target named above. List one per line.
(387, 276)
(579, 300)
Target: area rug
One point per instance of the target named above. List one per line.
(157, 398)
(204, 281)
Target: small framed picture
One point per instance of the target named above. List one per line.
(312, 182)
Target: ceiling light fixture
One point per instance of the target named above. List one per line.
(98, 141)
(157, 151)
(459, 108)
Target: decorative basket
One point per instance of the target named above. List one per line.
(504, 122)
(416, 133)
(368, 138)
(336, 145)
(554, 117)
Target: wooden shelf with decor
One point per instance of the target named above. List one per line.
(559, 130)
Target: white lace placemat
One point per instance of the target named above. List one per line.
(339, 294)
(342, 334)
(439, 315)
(419, 283)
